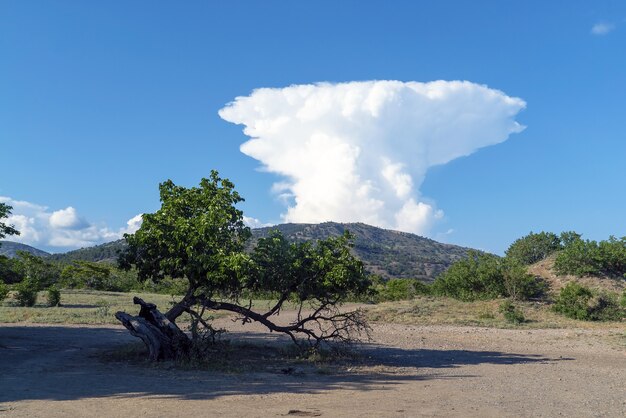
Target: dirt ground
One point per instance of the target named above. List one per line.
(406, 371)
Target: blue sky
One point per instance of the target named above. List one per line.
(101, 101)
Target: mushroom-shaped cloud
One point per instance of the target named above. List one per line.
(359, 151)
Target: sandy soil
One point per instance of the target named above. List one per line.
(406, 371)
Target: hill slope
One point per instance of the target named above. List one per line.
(384, 252)
(545, 270)
(10, 249)
(103, 252)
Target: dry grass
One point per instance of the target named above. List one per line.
(545, 269)
(427, 310)
(93, 307)
(78, 307)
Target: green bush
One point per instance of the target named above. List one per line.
(519, 284)
(54, 296)
(479, 276)
(486, 276)
(579, 302)
(26, 293)
(396, 289)
(4, 291)
(590, 258)
(11, 270)
(579, 258)
(534, 247)
(511, 313)
(399, 289)
(622, 300)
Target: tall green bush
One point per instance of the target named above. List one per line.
(26, 293)
(479, 276)
(4, 291)
(534, 247)
(486, 276)
(54, 296)
(590, 258)
(518, 283)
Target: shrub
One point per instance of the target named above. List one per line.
(11, 270)
(4, 291)
(54, 296)
(486, 276)
(534, 247)
(26, 293)
(511, 313)
(590, 258)
(479, 276)
(396, 289)
(622, 300)
(519, 284)
(579, 302)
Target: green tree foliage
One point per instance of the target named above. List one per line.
(534, 247)
(198, 235)
(518, 283)
(98, 276)
(579, 302)
(590, 258)
(4, 291)
(11, 270)
(486, 276)
(479, 276)
(324, 273)
(38, 272)
(5, 211)
(396, 289)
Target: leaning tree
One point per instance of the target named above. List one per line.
(199, 235)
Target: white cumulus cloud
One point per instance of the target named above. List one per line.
(60, 229)
(602, 28)
(359, 151)
(67, 219)
(254, 222)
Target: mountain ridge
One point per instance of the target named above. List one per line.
(388, 253)
(10, 249)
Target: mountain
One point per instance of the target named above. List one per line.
(10, 249)
(384, 252)
(103, 252)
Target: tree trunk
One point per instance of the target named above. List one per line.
(164, 340)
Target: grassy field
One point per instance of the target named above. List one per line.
(91, 307)
(98, 307)
(79, 307)
(426, 310)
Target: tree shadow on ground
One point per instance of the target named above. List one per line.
(65, 363)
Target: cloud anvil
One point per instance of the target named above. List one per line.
(359, 151)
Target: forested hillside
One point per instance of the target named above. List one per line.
(10, 249)
(390, 254)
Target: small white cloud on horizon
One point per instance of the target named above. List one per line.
(359, 151)
(254, 222)
(602, 28)
(60, 229)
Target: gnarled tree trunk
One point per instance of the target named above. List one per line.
(163, 338)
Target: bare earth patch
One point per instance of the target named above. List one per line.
(407, 370)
